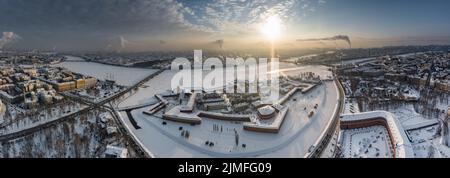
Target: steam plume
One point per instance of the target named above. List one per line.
(8, 37)
(219, 42)
(334, 38)
(123, 42)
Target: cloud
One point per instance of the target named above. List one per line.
(89, 24)
(333, 38)
(7, 38)
(241, 17)
(92, 24)
(101, 18)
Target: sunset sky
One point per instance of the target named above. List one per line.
(142, 25)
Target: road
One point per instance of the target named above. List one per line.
(328, 134)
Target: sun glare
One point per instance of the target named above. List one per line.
(271, 28)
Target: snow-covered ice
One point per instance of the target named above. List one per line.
(126, 76)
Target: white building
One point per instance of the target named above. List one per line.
(2, 111)
(105, 117)
(448, 112)
(115, 152)
(111, 130)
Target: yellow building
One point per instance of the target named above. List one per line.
(31, 72)
(80, 83)
(65, 86)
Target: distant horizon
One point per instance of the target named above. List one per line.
(216, 50)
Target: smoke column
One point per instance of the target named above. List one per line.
(334, 38)
(8, 37)
(219, 42)
(123, 42)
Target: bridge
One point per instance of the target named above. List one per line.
(138, 106)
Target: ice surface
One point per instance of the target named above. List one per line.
(126, 76)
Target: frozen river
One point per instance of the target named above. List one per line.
(122, 75)
(297, 134)
(370, 59)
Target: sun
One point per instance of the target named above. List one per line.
(271, 28)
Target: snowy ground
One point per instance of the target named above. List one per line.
(442, 104)
(368, 142)
(425, 141)
(408, 116)
(330, 150)
(351, 106)
(17, 122)
(122, 75)
(297, 134)
(96, 94)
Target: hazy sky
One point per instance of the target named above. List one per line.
(138, 25)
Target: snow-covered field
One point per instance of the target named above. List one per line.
(425, 143)
(408, 116)
(122, 75)
(368, 142)
(297, 134)
(422, 135)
